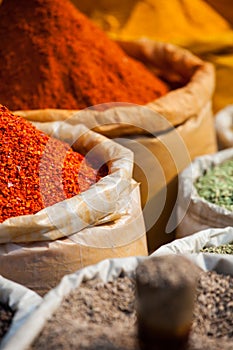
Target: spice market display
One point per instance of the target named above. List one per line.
(36, 170)
(106, 77)
(186, 108)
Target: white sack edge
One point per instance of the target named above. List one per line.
(213, 237)
(21, 300)
(190, 247)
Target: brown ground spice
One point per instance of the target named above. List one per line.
(6, 315)
(103, 316)
(53, 56)
(36, 170)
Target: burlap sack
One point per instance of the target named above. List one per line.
(200, 214)
(22, 301)
(104, 221)
(164, 135)
(224, 127)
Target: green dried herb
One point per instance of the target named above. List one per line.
(216, 185)
(222, 249)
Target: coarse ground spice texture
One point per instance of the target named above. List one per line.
(221, 249)
(216, 185)
(36, 170)
(53, 56)
(98, 316)
(6, 315)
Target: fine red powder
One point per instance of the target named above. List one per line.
(36, 170)
(52, 56)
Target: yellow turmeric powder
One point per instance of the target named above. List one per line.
(173, 21)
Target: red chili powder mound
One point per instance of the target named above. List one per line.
(53, 56)
(36, 170)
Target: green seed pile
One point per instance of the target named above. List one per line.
(216, 185)
(222, 249)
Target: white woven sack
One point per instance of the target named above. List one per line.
(21, 300)
(195, 213)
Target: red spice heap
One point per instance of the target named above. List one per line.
(36, 170)
(53, 56)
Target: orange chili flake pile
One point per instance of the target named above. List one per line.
(36, 170)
